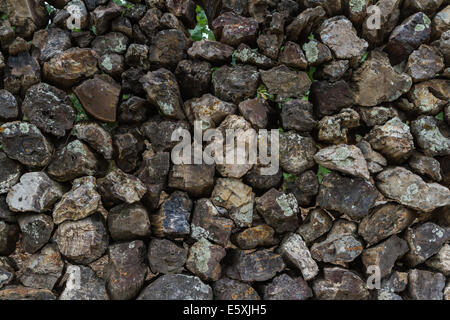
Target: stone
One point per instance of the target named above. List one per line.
(204, 260)
(9, 234)
(285, 83)
(72, 161)
(112, 42)
(351, 196)
(296, 152)
(96, 137)
(49, 108)
(82, 241)
(426, 166)
(430, 138)
(428, 97)
(99, 97)
(21, 72)
(168, 48)
(340, 284)
(36, 231)
(118, 186)
(424, 63)
(339, 248)
(294, 251)
(211, 51)
(297, 114)
(334, 129)
(246, 55)
(279, 210)
(304, 187)
(127, 150)
(318, 224)
(9, 109)
(386, 220)
(126, 270)
(208, 223)
(440, 261)
(270, 44)
(229, 289)
(425, 240)
(373, 116)
(196, 179)
(128, 222)
(6, 271)
(165, 256)
(376, 81)
(258, 266)
(341, 37)
(177, 287)
(134, 110)
(256, 111)
(233, 29)
(408, 36)
(440, 23)
(208, 109)
(330, 98)
(5, 214)
(425, 285)
(83, 284)
(237, 198)
(27, 16)
(35, 192)
(163, 92)
(259, 236)
(137, 56)
(194, 78)
(316, 53)
(429, 7)
(293, 56)
(184, 10)
(172, 219)
(304, 23)
(347, 159)
(235, 84)
(393, 139)
(17, 292)
(10, 172)
(385, 254)
(42, 270)
(102, 16)
(159, 132)
(410, 190)
(70, 66)
(334, 70)
(284, 287)
(258, 179)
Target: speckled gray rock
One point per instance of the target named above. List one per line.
(9, 109)
(424, 63)
(424, 241)
(24, 142)
(429, 136)
(10, 172)
(237, 198)
(385, 220)
(351, 196)
(296, 152)
(377, 115)
(375, 161)
(427, 97)
(409, 189)
(125, 273)
(96, 137)
(294, 250)
(347, 159)
(441, 260)
(83, 284)
(284, 287)
(17, 292)
(9, 234)
(316, 53)
(297, 114)
(73, 161)
(229, 289)
(118, 186)
(279, 210)
(258, 236)
(212, 51)
(165, 256)
(6, 271)
(204, 260)
(82, 241)
(196, 179)
(334, 129)
(208, 223)
(340, 284)
(426, 166)
(246, 55)
(425, 285)
(128, 222)
(36, 231)
(318, 223)
(35, 192)
(393, 139)
(177, 287)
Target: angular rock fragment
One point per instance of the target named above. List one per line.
(440, 261)
(6, 271)
(247, 55)
(96, 137)
(258, 236)
(50, 42)
(204, 260)
(428, 97)
(128, 222)
(102, 16)
(232, 29)
(21, 72)
(304, 23)
(83, 284)
(373, 116)
(334, 129)
(194, 77)
(17, 292)
(317, 53)
(430, 138)
(375, 161)
(319, 223)
(36, 231)
(296, 152)
(10, 172)
(119, 186)
(426, 166)
(425, 285)
(256, 111)
(235, 84)
(338, 248)
(9, 234)
(196, 179)
(9, 109)
(127, 150)
(168, 48)
(330, 98)
(229, 289)
(211, 51)
(424, 63)
(297, 114)
(284, 287)
(165, 256)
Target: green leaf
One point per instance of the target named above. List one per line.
(201, 30)
(280, 129)
(49, 8)
(289, 177)
(364, 57)
(94, 30)
(81, 114)
(440, 116)
(311, 73)
(306, 96)
(76, 30)
(233, 58)
(321, 172)
(125, 96)
(311, 36)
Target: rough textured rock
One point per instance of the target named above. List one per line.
(425, 285)
(96, 137)
(229, 289)
(211, 51)
(128, 222)
(10, 172)
(36, 231)
(318, 223)
(165, 256)
(204, 260)
(20, 73)
(298, 115)
(426, 166)
(17, 292)
(424, 63)
(440, 261)
(284, 287)
(330, 98)
(9, 234)
(335, 129)
(258, 236)
(196, 179)
(430, 138)
(9, 107)
(296, 152)
(83, 284)
(118, 186)
(232, 29)
(410, 190)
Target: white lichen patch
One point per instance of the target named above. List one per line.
(288, 204)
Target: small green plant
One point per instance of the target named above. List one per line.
(233, 58)
(306, 96)
(264, 94)
(4, 16)
(311, 36)
(76, 30)
(440, 116)
(321, 172)
(311, 73)
(364, 57)
(50, 9)
(213, 70)
(289, 177)
(280, 129)
(94, 30)
(81, 114)
(123, 3)
(201, 30)
(125, 96)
